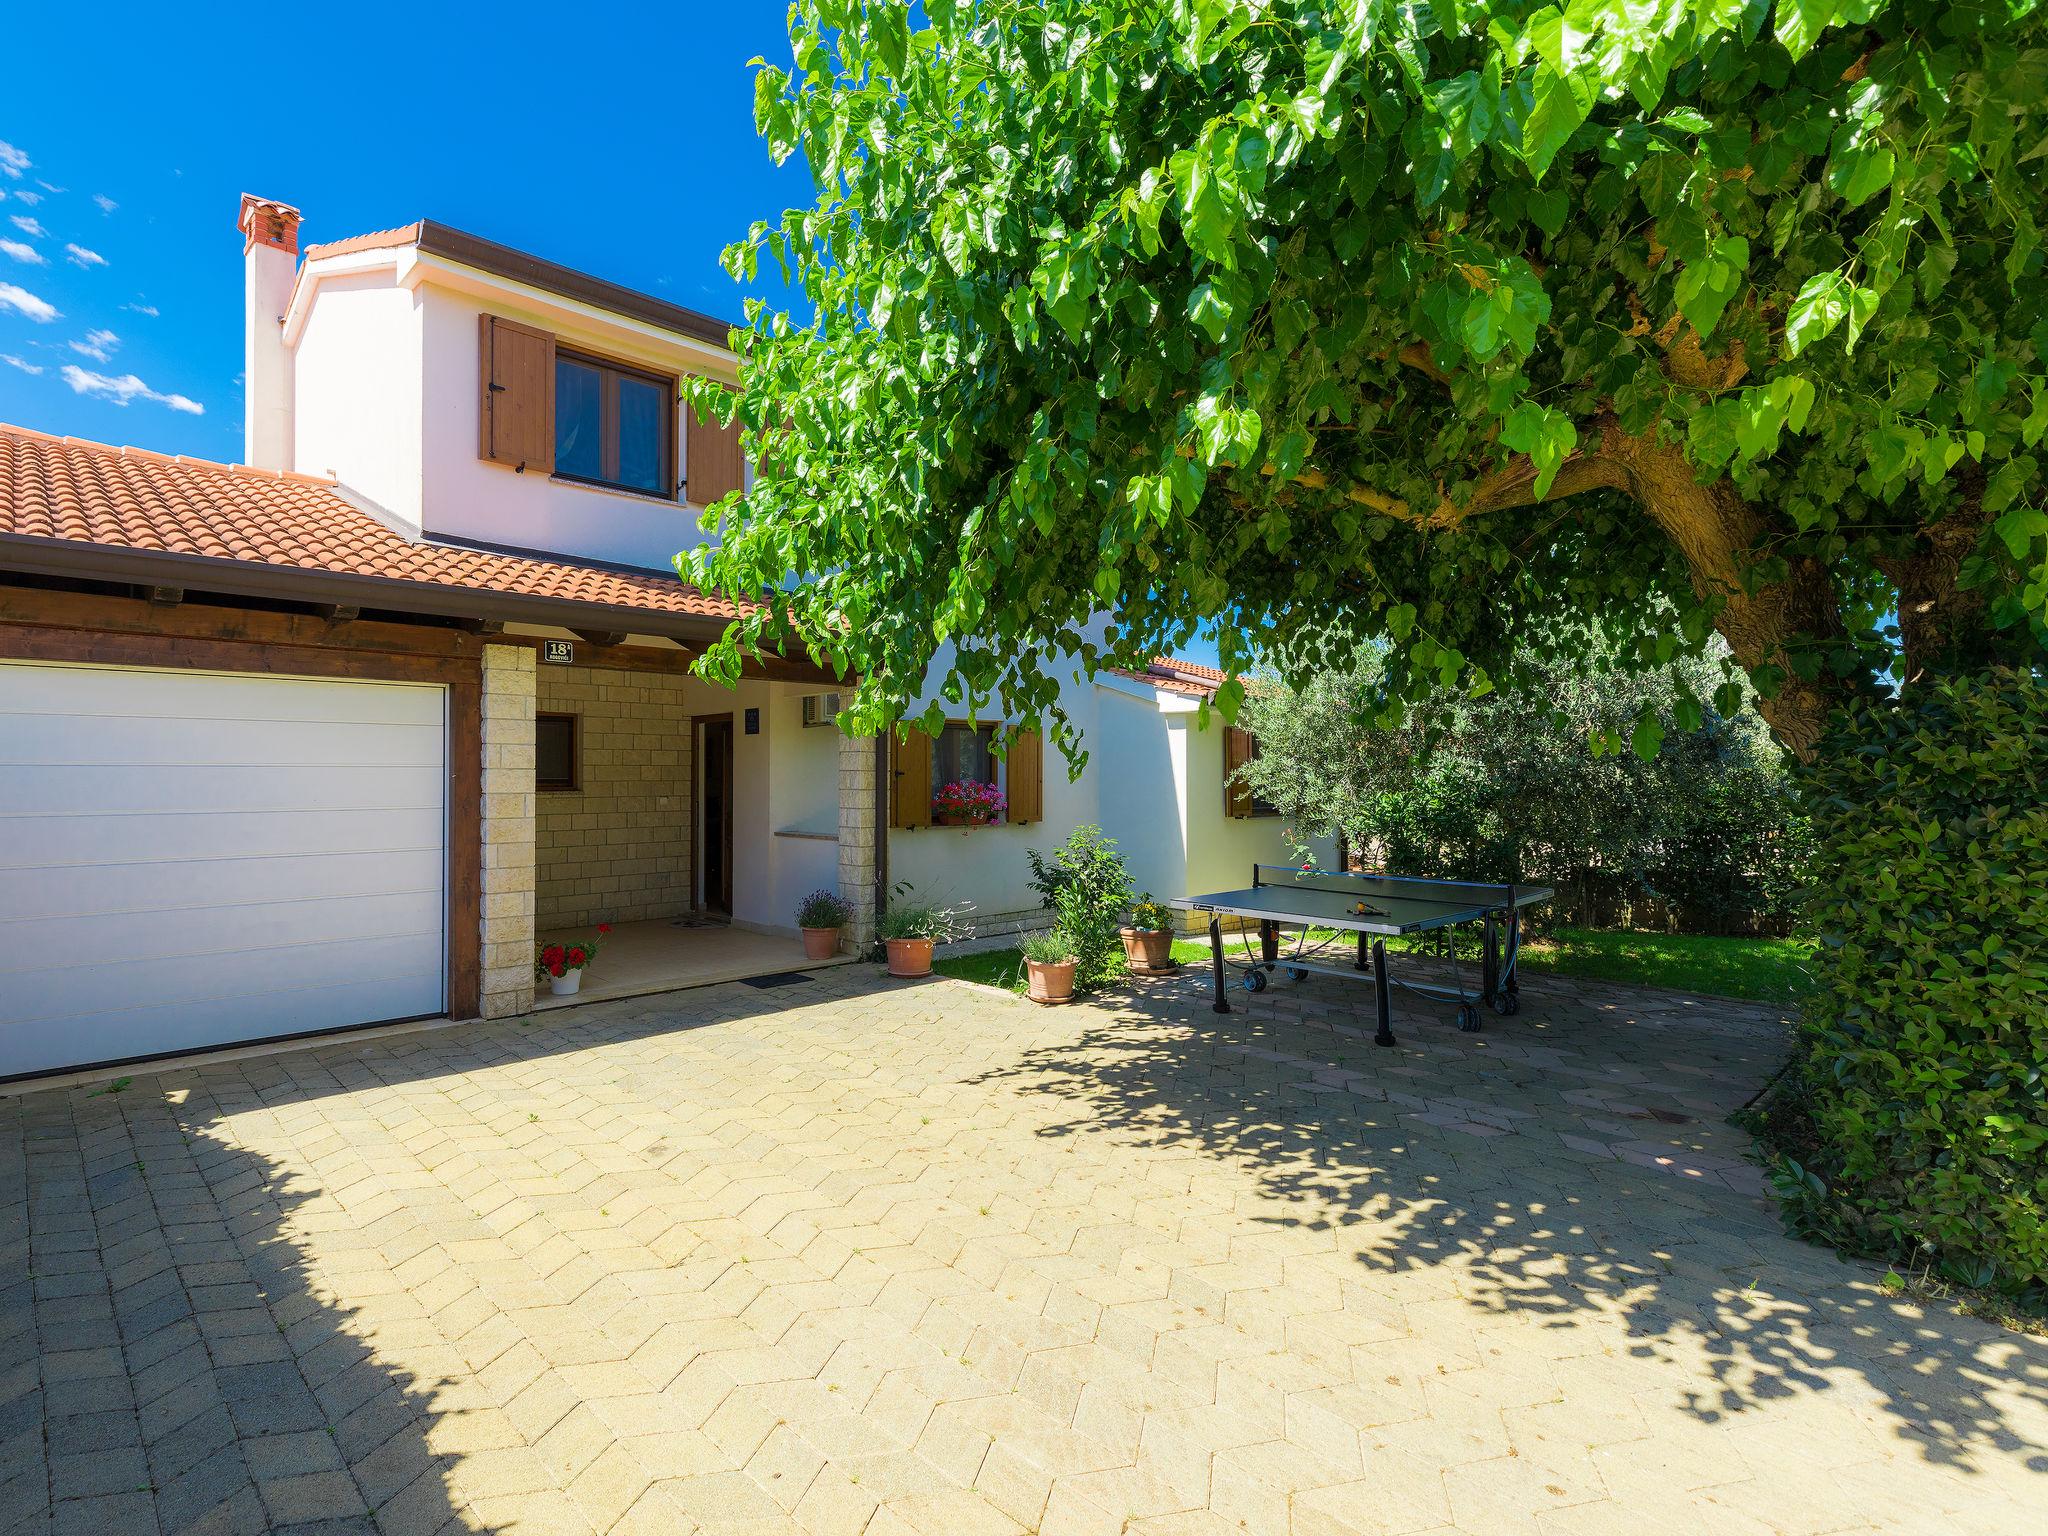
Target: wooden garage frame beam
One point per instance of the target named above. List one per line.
(204, 621)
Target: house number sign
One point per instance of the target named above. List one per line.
(561, 653)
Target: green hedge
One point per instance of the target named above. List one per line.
(1921, 1127)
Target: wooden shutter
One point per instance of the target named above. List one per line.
(518, 406)
(910, 780)
(1026, 764)
(712, 460)
(1237, 751)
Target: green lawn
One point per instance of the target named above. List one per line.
(1760, 970)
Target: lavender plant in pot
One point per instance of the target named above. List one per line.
(910, 928)
(821, 915)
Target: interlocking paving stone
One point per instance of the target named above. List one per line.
(921, 1260)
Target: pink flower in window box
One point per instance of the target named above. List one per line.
(968, 803)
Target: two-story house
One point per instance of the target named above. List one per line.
(337, 736)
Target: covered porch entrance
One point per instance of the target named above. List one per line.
(689, 820)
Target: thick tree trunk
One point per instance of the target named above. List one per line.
(1719, 534)
(1943, 628)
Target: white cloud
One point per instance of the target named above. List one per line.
(79, 256)
(31, 198)
(20, 362)
(124, 389)
(143, 309)
(21, 301)
(97, 345)
(29, 227)
(107, 204)
(51, 187)
(20, 252)
(12, 161)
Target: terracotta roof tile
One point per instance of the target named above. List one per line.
(1170, 674)
(376, 240)
(65, 489)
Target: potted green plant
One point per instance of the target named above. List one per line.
(562, 964)
(910, 928)
(1148, 941)
(821, 915)
(1049, 960)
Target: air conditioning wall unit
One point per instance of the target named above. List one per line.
(820, 708)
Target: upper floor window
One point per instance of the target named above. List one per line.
(614, 425)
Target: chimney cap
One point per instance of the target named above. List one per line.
(265, 221)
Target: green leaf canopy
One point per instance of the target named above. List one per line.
(1459, 324)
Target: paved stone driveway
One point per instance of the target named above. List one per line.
(920, 1260)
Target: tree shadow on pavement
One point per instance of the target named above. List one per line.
(1557, 1169)
(168, 1360)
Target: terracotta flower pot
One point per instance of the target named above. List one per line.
(1148, 949)
(1050, 981)
(821, 943)
(909, 958)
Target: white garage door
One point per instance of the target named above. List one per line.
(189, 859)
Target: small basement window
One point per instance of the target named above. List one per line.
(554, 752)
(614, 426)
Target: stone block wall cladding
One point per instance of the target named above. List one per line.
(857, 836)
(508, 813)
(617, 848)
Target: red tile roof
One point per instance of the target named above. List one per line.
(64, 494)
(376, 240)
(1170, 674)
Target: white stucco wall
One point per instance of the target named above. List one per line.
(1143, 755)
(357, 408)
(986, 866)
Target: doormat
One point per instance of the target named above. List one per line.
(779, 979)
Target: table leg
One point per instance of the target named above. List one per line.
(1222, 1004)
(1363, 964)
(1489, 965)
(1380, 990)
(1269, 943)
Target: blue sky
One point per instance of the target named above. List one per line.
(614, 138)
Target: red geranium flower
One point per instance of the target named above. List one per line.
(604, 927)
(552, 956)
(555, 968)
(576, 956)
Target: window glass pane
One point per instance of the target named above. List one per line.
(640, 417)
(554, 754)
(579, 397)
(961, 755)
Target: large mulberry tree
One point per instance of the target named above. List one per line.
(1469, 326)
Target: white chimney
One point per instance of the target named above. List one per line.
(270, 257)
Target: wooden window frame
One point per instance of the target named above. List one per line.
(610, 370)
(575, 779)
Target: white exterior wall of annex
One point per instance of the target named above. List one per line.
(986, 866)
(1163, 795)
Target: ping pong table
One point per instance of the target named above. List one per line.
(1374, 908)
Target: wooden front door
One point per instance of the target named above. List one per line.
(716, 756)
